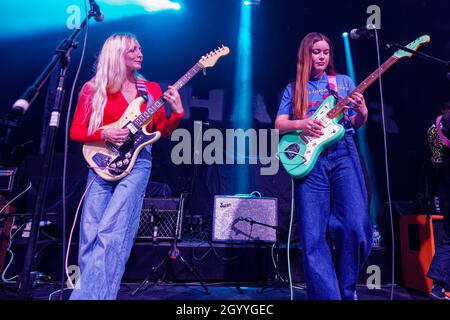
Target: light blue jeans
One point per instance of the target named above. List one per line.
(108, 227)
(333, 215)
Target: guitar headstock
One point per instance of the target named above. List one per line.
(211, 58)
(412, 46)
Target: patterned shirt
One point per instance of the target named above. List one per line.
(318, 90)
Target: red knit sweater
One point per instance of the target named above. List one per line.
(114, 109)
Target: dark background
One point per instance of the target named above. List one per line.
(414, 89)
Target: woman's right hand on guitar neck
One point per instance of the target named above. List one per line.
(116, 136)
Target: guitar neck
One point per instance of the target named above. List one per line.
(339, 107)
(145, 116)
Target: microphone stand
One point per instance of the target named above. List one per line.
(61, 59)
(277, 276)
(397, 46)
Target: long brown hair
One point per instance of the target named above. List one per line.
(304, 68)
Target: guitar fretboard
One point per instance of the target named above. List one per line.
(339, 107)
(145, 116)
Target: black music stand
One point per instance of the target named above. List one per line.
(173, 254)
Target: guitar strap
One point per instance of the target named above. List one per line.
(332, 86)
(142, 88)
(143, 92)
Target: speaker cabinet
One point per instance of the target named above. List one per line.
(419, 235)
(161, 219)
(247, 219)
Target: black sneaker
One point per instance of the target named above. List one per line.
(438, 293)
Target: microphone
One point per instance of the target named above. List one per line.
(355, 34)
(95, 11)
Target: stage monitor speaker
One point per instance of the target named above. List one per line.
(419, 235)
(246, 219)
(159, 219)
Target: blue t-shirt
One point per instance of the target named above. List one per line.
(318, 90)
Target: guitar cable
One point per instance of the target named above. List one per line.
(386, 167)
(289, 240)
(11, 236)
(66, 257)
(288, 249)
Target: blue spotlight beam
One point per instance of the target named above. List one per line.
(148, 5)
(363, 145)
(19, 17)
(243, 91)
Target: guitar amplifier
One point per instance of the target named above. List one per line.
(245, 219)
(160, 218)
(419, 236)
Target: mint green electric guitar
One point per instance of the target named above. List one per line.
(298, 152)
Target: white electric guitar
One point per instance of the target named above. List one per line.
(113, 162)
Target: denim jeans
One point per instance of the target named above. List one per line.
(333, 215)
(108, 226)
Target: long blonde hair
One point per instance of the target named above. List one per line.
(110, 74)
(304, 69)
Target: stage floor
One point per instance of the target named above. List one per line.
(218, 291)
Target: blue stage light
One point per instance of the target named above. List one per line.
(19, 17)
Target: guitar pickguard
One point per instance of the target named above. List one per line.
(126, 152)
(314, 143)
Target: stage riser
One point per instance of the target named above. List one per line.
(241, 263)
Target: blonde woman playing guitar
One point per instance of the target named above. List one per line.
(111, 210)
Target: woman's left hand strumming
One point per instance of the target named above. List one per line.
(173, 98)
(359, 104)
